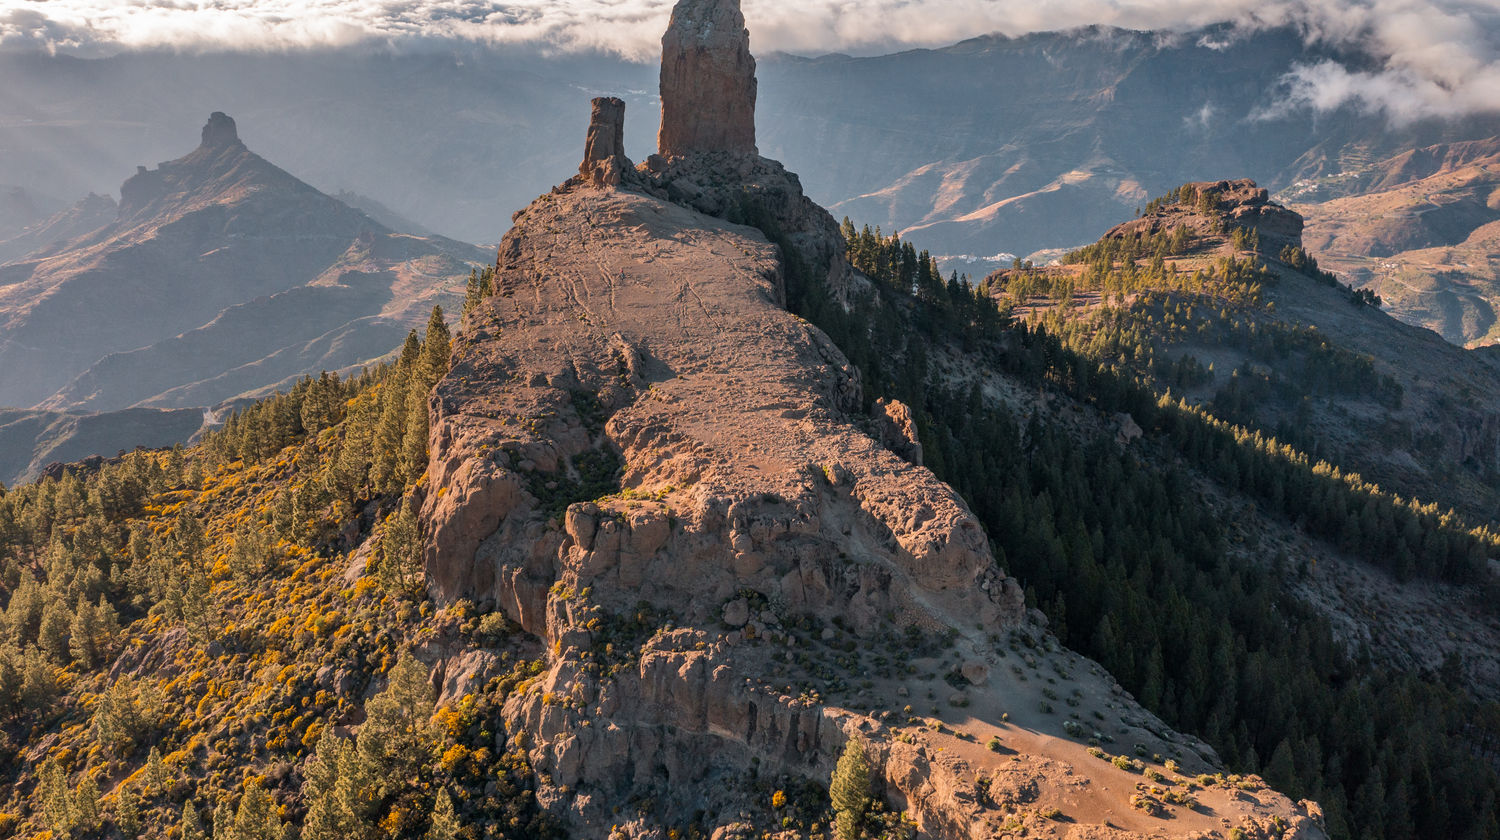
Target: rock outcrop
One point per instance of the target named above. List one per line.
(1230, 205)
(708, 81)
(643, 460)
(604, 161)
(898, 429)
(640, 457)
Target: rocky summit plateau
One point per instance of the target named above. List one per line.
(637, 342)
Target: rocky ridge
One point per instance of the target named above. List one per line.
(644, 460)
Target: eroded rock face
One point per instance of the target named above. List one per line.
(625, 327)
(707, 81)
(604, 161)
(898, 429)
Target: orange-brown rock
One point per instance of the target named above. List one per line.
(707, 81)
(645, 461)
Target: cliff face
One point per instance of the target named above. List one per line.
(629, 330)
(644, 460)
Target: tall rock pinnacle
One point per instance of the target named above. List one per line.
(707, 80)
(604, 160)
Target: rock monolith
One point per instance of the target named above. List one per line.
(604, 160)
(707, 81)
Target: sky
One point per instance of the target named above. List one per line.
(1438, 58)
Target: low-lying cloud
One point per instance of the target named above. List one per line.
(1432, 58)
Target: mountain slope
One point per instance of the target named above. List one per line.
(32, 440)
(1422, 229)
(1234, 314)
(217, 229)
(86, 216)
(975, 151)
(1209, 301)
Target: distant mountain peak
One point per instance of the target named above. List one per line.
(220, 131)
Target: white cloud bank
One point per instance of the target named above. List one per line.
(1438, 57)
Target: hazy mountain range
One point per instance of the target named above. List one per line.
(994, 144)
(992, 147)
(217, 275)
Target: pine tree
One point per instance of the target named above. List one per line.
(250, 553)
(436, 349)
(128, 811)
(358, 788)
(223, 821)
(192, 824)
(327, 817)
(199, 611)
(38, 680)
(52, 635)
(154, 778)
(414, 441)
(390, 429)
(445, 823)
(400, 561)
(398, 734)
(849, 789)
(481, 286)
(10, 680)
(82, 634)
(56, 799)
(257, 817)
(85, 806)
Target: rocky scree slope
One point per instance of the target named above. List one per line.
(644, 460)
(219, 275)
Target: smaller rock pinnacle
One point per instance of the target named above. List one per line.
(604, 160)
